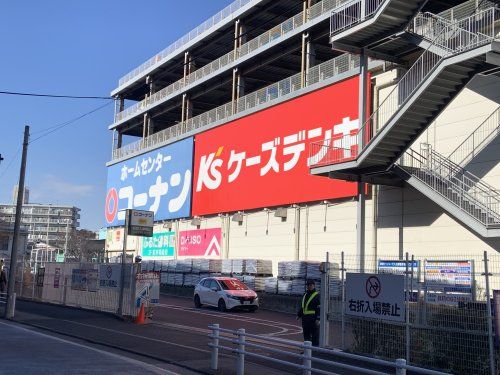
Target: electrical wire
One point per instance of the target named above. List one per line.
(57, 127)
(54, 95)
(14, 158)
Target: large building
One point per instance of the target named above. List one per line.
(283, 129)
(46, 223)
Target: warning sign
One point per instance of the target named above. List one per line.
(147, 288)
(379, 296)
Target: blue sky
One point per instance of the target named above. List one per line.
(76, 48)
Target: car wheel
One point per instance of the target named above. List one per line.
(197, 302)
(221, 305)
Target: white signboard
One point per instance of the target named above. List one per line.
(147, 288)
(398, 267)
(379, 296)
(141, 223)
(449, 276)
(448, 298)
(110, 276)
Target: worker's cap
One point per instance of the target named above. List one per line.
(310, 282)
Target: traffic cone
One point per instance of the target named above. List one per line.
(141, 317)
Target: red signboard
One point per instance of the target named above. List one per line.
(262, 160)
(200, 243)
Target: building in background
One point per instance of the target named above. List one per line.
(235, 129)
(6, 238)
(26, 195)
(49, 224)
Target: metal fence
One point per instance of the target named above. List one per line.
(57, 283)
(452, 333)
(311, 360)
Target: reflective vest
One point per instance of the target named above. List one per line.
(305, 304)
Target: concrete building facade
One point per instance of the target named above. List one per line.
(257, 58)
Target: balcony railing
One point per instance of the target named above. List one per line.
(269, 36)
(319, 73)
(164, 54)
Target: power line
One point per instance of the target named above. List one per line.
(54, 95)
(57, 127)
(14, 158)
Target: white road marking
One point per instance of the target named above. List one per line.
(269, 323)
(155, 369)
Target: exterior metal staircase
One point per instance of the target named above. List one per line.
(360, 23)
(478, 140)
(458, 51)
(462, 194)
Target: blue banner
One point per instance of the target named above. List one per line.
(158, 181)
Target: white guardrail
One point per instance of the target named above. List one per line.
(279, 31)
(305, 360)
(212, 21)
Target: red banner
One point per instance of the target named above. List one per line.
(262, 160)
(200, 243)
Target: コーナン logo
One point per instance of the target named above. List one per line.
(111, 207)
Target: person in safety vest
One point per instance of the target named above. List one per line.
(309, 312)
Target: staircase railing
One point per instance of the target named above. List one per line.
(459, 186)
(478, 140)
(353, 12)
(455, 37)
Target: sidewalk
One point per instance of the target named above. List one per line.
(24, 351)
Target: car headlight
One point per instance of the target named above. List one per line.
(232, 297)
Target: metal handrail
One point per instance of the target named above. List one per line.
(455, 38)
(338, 65)
(353, 12)
(478, 139)
(232, 56)
(219, 17)
(239, 338)
(456, 184)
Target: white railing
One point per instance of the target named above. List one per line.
(352, 13)
(478, 140)
(262, 40)
(459, 186)
(275, 91)
(305, 357)
(453, 38)
(161, 56)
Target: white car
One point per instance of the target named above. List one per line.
(225, 293)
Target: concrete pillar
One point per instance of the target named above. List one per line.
(145, 122)
(360, 228)
(310, 57)
(119, 139)
(186, 108)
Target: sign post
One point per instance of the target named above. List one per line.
(137, 223)
(376, 296)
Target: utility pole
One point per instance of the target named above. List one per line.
(11, 299)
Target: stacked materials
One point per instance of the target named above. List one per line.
(226, 266)
(271, 285)
(258, 267)
(184, 266)
(237, 266)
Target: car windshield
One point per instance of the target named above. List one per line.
(232, 284)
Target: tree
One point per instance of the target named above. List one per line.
(80, 247)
